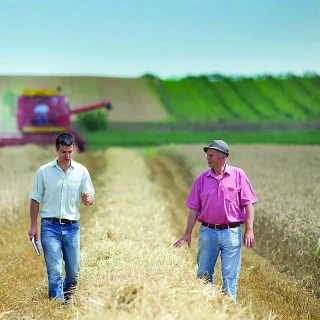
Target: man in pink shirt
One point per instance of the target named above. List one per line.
(221, 199)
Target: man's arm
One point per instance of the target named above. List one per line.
(248, 239)
(87, 192)
(192, 218)
(34, 210)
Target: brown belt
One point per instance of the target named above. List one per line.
(61, 221)
(221, 226)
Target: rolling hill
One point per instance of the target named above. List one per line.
(193, 100)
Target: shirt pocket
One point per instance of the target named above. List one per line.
(231, 194)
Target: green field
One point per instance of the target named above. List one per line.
(218, 98)
(104, 139)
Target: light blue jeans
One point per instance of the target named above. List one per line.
(228, 242)
(61, 242)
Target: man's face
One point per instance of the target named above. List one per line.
(64, 153)
(215, 158)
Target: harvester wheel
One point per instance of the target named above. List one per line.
(81, 143)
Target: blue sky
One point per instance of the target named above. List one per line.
(166, 38)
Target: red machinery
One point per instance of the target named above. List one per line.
(42, 114)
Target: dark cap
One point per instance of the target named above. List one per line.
(218, 145)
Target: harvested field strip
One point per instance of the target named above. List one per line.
(140, 275)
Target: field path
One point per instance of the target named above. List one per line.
(271, 292)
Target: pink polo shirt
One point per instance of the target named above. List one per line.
(221, 201)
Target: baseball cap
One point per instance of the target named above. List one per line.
(218, 145)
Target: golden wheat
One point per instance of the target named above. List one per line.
(129, 268)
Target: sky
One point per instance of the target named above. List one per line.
(168, 38)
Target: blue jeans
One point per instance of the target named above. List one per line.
(61, 241)
(211, 243)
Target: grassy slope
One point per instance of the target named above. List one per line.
(265, 99)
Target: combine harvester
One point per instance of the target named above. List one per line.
(42, 114)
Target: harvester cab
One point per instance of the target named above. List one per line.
(41, 111)
(42, 114)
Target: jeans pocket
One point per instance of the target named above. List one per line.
(203, 228)
(45, 222)
(236, 230)
(76, 225)
(235, 236)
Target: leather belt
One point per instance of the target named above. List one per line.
(221, 226)
(61, 221)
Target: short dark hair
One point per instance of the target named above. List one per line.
(64, 139)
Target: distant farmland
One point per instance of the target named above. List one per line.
(195, 100)
(218, 98)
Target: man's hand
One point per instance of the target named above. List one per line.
(185, 238)
(87, 199)
(248, 238)
(33, 232)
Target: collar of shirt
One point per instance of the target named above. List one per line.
(226, 170)
(54, 163)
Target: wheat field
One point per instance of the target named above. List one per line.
(129, 268)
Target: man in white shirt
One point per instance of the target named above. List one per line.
(59, 186)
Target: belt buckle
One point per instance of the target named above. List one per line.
(215, 226)
(60, 221)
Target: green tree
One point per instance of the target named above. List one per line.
(96, 120)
